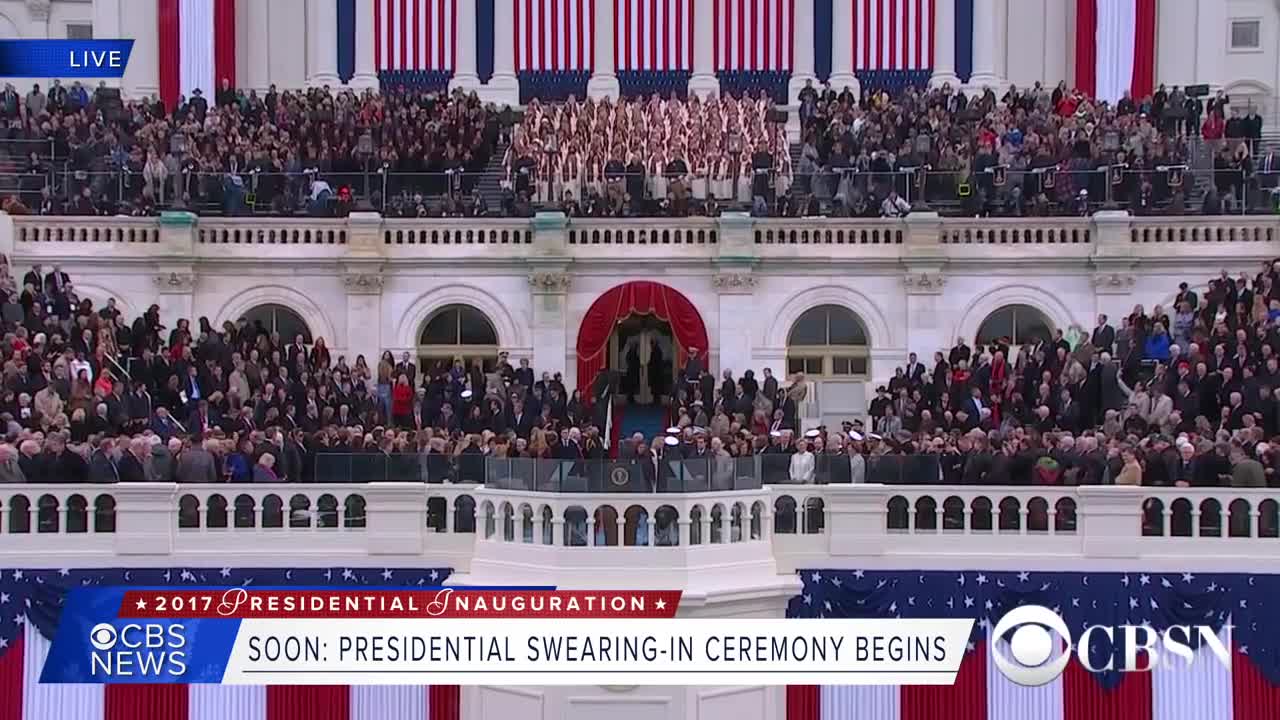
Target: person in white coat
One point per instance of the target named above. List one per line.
(802, 464)
(857, 463)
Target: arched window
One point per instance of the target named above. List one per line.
(1016, 325)
(828, 341)
(280, 319)
(458, 331)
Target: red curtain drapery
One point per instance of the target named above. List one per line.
(308, 702)
(1144, 49)
(1255, 698)
(224, 41)
(145, 702)
(1087, 46)
(640, 297)
(965, 700)
(167, 51)
(444, 702)
(804, 702)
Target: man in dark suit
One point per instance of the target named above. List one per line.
(63, 465)
(131, 467)
(56, 282)
(915, 371)
(34, 278)
(770, 387)
(524, 374)
(34, 464)
(102, 464)
(1104, 336)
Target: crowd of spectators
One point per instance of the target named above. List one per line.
(1032, 150)
(280, 152)
(1188, 396)
(649, 156)
(410, 153)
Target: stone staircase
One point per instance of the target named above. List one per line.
(490, 184)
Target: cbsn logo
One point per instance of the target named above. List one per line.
(138, 650)
(1032, 645)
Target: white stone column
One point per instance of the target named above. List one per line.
(1055, 43)
(257, 48)
(322, 45)
(1211, 43)
(704, 82)
(504, 88)
(464, 73)
(737, 321)
(604, 76)
(944, 44)
(986, 46)
(842, 49)
(366, 75)
(364, 300)
(549, 294)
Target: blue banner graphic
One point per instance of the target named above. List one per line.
(64, 58)
(93, 645)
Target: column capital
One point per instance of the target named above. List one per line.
(176, 281)
(39, 10)
(363, 283)
(550, 282)
(924, 282)
(734, 283)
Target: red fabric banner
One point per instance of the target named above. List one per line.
(1144, 49)
(145, 702)
(1087, 46)
(1084, 698)
(224, 41)
(1253, 696)
(641, 297)
(11, 680)
(309, 702)
(444, 702)
(167, 51)
(965, 700)
(804, 702)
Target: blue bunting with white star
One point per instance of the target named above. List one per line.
(1250, 603)
(38, 596)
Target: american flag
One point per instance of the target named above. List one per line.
(1203, 690)
(654, 34)
(415, 34)
(30, 605)
(893, 34)
(753, 34)
(554, 35)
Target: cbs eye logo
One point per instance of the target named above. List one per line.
(1031, 644)
(103, 636)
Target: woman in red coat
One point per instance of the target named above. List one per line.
(402, 402)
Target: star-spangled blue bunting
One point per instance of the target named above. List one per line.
(37, 596)
(1250, 603)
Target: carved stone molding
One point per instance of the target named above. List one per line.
(550, 282)
(175, 282)
(1118, 283)
(734, 282)
(924, 282)
(358, 283)
(38, 9)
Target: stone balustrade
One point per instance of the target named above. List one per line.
(733, 237)
(798, 526)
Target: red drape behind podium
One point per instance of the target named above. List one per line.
(635, 298)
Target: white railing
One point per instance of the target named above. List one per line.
(735, 237)
(801, 526)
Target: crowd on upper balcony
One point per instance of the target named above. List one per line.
(649, 156)
(283, 152)
(411, 153)
(1029, 151)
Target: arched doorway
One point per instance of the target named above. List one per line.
(635, 313)
(273, 318)
(1014, 326)
(456, 332)
(829, 344)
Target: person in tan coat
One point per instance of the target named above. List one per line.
(1131, 473)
